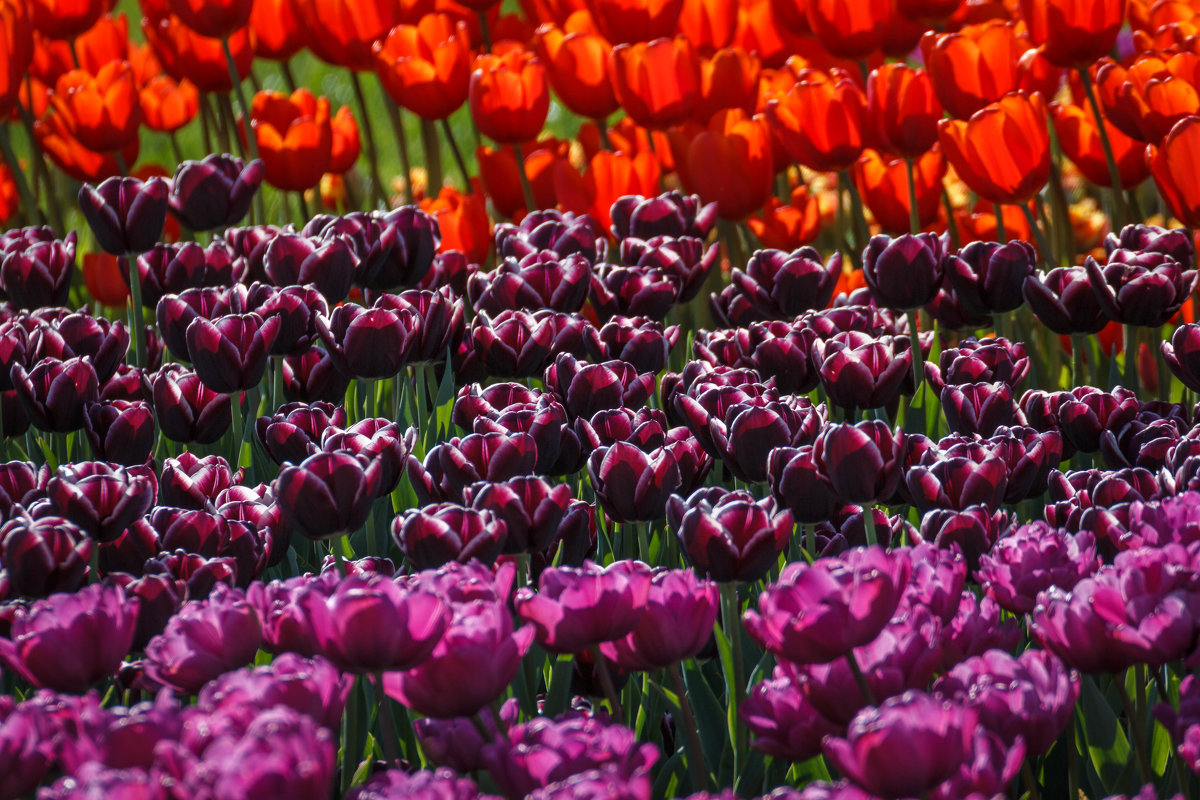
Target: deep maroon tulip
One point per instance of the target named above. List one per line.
(648, 428)
(81, 334)
(686, 257)
(783, 723)
(294, 431)
(450, 270)
(903, 273)
(1064, 301)
(799, 484)
(1140, 288)
(250, 244)
(974, 529)
(368, 343)
(14, 342)
(859, 371)
(817, 613)
(101, 498)
(1088, 412)
(472, 665)
(313, 687)
(395, 248)
(846, 529)
(174, 268)
(157, 597)
(452, 466)
(203, 641)
(907, 746)
(120, 431)
(988, 276)
(980, 361)
(544, 419)
(455, 744)
(296, 307)
(632, 485)
(563, 233)
(575, 608)
(477, 400)
(210, 535)
(956, 482)
(328, 264)
(729, 536)
(215, 192)
(436, 534)
(980, 408)
(1141, 443)
(372, 624)
(441, 323)
(192, 482)
(539, 280)
(328, 495)
(530, 509)
(516, 344)
(195, 575)
(1182, 354)
(24, 757)
(587, 388)
(312, 377)
(749, 432)
(187, 410)
(384, 446)
(130, 384)
(175, 312)
(230, 352)
(54, 393)
(648, 292)
(1174, 242)
(639, 341)
(669, 214)
(39, 274)
(71, 642)
(44, 556)
(781, 285)
(677, 624)
(126, 215)
(861, 461)
(20, 480)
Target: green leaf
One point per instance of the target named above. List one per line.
(710, 715)
(1107, 746)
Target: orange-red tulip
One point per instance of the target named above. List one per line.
(54, 137)
(974, 66)
(709, 24)
(929, 12)
(102, 111)
(16, 35)
(278, 33)
(552, 11)
(1003, 151)
(342, 32)
(1080, 140)
(792, 14)
(903, 109)
(102, 276)
(820, 121)
(502, 181)
(201, 59)
(849, 30)
(66, 19)
(979, 225)
(761, 31)
(107, 40)
(628, 137)
(410, 12)
(168, 105)
(730, 164)
(728, 80)
(787, 227)
(1175, 165)
(883, 182)
(426, 67)
(901, 36)
(1148, 97)
(294, 136)
(345, 146)
(463, 220)
(608, 176)
(215, 18)
(628, 21)
(577, 65)
(1073, 33)
(508, 96)
(658, 82)
(9, 199)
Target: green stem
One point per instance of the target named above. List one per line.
(1130, 376)
(1136, 731)
(289, 80)
(138, 331)
(1042, 243)
(526, 186)
(458, 156)
(236, 79)
(387, 726)
(918, 365)
(1079, 368)
(1030, 780)
(606, 685)
(351, 734)
(1114, 174)
(869, 525)
(14, 167)
(731, 619)
(864, 688)
(377, 194)
(914, 218)
(1001, 233)
(433, 158)
(1164, 374)
(695, 749)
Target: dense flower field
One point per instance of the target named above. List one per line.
(792, 398)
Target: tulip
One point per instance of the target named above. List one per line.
(978, 407)
(1144, 289)
(394, 249)
(1064, 301)
(312, 377)
(883, 182)
(371, 624)
(957, 483)
(294, 431)
(1180, 353)
(656, 82)
(70, 642)
(903, 109)
(728, 536)
(860, 371)
(531, 511)
(575, 608)
(862, 461)
(623, 22)
(187, 410)
(563, 233)
(167, 104)
(343, 33)
(294, 137)
(975, 65)
(545, 420)
(799, 484)
(588, 388)
(292, 259)
(126, 215)
(327, 495)
(277, 32)
(1081, 142)
(670, 214)
(988, 277)
(783, 723)
(1173, 242)
(1003, 151)
(1073, 34)
(55, 393)
(313, 687)
(1088, 412)
(534, 282)
(1033, 558)
(426, 67)
(631, 485)
(368, 343)
(215, 192)
(451, 466)
(44, 556)
(508, 96)
(101, 110)
(783, 285)
(192, 482)
(100, 499)
(975, 629)
(217, 20)
(903, 273)
(230, 353)
(820, 121)
(973, 361)
(431, 536)
(577, 64)
(421, 784)
(730, 163)
(39, 274)
(638, 341)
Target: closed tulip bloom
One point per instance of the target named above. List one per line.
(978, 407)
(799, 484)
(55, 393)
(1140, 288)
(204, 640)
(632, 485)
(230, 353)
(217, 20)
(729, 536)
(426, 67)
(1002, 152)
(680, 612)
(1073, 33)
(383, 444)
(451, 466)
(101, 110)
(1170, 163)
(975, 65)
(861, 371)
(784, 285)
(471, 666)
(71, 642)
(1081, 142)
(730, 163)
(669, 214)
(294, 431)
(904, 273)
(957, 483)
(126, 215)
(45, 555)
(903, 109)
(509, 96)
(187, 410)
(820, 120)
(368, 343)
(530, 509)
(577, 64)
(817, 613)
(328, 495)
(987, 360)
(575, 608)
(434, 535)
(294, 137)
(988, 277)
(1063, 300)
(862, 461)
(534, 282)
(102, 499)
(635, 20)
(1173, 242)
(656, 82)
(1087, 412)
(585, 389)
(215, 192)
(1182, 354)
(277, 31)
(39, 274)
(1032, 559)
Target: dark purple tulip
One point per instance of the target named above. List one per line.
(860, 371)
(54, 393)
(781, 285)
(120, 431)
(724, 347)
(130, 384)
(394, 249)
(585, 389)
(313, 687)
(194, 575)
(24, 757)
(193, 482)
(979, 408)
(81, 334)
(846, 528)
(440, 321)
(452, 466)
(639, 341)
(19, 480)
(442, 784)
(907, 746)
(686, 257)
(472, 665)
(749, 432)
(1182, 354)
(450, 270)
(976, 628)
(1031, 697)
(436, 534)
(538, 280)
(648, 428)
(1064, 301)
(39, 274)
(632, 485)
(516, 344)
(903, 273)
(669, 214)
(988, 276)
(948, 310)
(250, 244)
(312, 377)
(1174, 242)
(210, 535)
(101, 498)
(372, 624)
(677, 624)
(575, 608)
(71, 642)
(863, 461)
(1179, 722)
(780, 352)
(1140, 288)
(1142, 442)
(204, 640)
(783, 723)
(157, 597)
(382, 444)
(126, 215)
(544, 419)
(369, 343)
(175, 312)
(647, 292)
(980, 361)
(296, 307)
(174, 268)
(817, 613)
(230, 352)
(43, 556)
(728, 535)
(563, 233)
(14, 342)
(1088, 412)
(295, 260)
(293, 433)
(215, 192)
(956, 482)
(477, 400)
(328, 495)
(530, 509)
(798, 483)
(974, 529)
